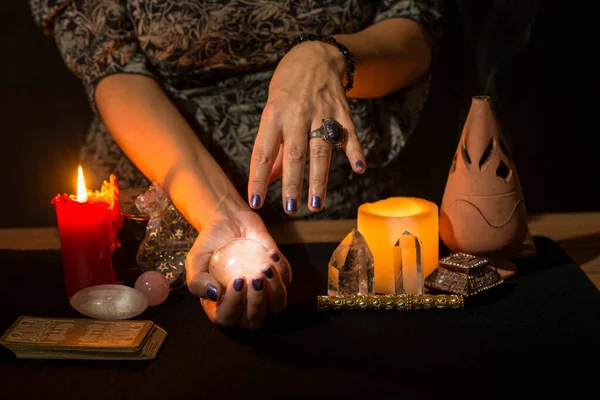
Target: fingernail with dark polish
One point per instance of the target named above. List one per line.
(257, 284)
(238, 284)
(255, 201)
(291, 205)
(275, 257)
(315, 202)
(360, 165)
(269, 273)
(211, 292)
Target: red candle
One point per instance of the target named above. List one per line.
(88, 225)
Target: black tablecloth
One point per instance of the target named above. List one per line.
(538, 334)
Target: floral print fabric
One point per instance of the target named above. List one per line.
(215, 59)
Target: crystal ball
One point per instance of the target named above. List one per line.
(154, 285)
(109, 302)
(238, 257)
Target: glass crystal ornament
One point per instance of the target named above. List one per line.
(154, 285)
(351, 269)
(238, 257)
(109, 302)
(169, 237)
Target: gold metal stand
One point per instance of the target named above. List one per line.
(399, 302)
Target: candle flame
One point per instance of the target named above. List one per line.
(81, 189)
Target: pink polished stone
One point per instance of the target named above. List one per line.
(154, 285)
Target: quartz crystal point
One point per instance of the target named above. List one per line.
(412, 268)
(398, 277)
(351, 269)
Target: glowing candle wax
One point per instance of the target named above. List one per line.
(88, 225)
(383, 224)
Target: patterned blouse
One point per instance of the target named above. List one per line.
(215, 58)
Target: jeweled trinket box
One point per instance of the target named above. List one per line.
(463, 274)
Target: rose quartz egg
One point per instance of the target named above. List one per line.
(238, 257)
(154, 285)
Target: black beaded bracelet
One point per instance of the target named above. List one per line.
(328, 39)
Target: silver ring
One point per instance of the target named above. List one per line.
(330, 131)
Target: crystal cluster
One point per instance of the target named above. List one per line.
(351, 269)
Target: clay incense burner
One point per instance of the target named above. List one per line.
(483, 209)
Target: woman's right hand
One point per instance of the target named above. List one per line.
(244, 302)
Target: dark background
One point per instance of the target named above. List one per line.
(541, 79)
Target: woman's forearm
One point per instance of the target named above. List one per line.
(389, 56)
(159, 141)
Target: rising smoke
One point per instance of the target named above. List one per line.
(497, 31)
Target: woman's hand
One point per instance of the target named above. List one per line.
(305, 89)
(153, 133)
(242, 303)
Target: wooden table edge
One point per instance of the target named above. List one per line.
(577, 233)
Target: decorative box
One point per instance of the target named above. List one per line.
(463, 274)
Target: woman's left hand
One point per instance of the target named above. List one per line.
(306, 88)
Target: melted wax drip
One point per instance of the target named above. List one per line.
(107, 196)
